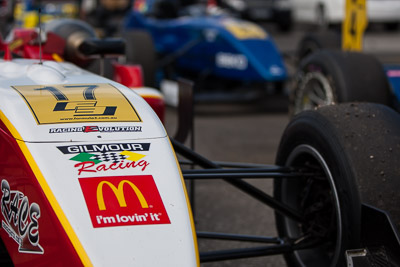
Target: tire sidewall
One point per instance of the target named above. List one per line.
(141, 50)
(314, 131)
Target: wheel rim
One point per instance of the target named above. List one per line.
(314, 90)
(328, 216)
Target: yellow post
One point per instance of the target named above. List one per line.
(354, 24)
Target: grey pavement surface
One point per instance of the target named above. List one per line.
(248, 134)
(240, 136)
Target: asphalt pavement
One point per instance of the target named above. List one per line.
(238, 135)
(251, 134)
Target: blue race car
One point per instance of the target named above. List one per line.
(203, 43)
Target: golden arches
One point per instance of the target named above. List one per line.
(119, 193)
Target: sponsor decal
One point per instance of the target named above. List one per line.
(244, 30)
(97, 129)
(210, 35)
(123, 201)
(95, 158)
(393, 73)
(16, 44)
(77, 103)
(20, 219)
(231, 61)
(115, 147)
(276, 70)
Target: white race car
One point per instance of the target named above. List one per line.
(89, 177)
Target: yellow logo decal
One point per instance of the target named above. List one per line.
(77, 103)
(132, 156)
(119, 193)
(245, 30)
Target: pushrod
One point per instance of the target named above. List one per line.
(236, 237)
(248, 170)
(240, 253)
(225, 164)
(229, 176)
(282, 248)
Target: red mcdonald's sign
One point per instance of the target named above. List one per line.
(123, 200)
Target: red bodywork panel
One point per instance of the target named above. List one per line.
(129, 75)
(30, 228)
(132, 76)
(25, 44)
(158, 105)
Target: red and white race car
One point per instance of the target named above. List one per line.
(89, 176)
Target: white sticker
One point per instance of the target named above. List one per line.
(231, 61)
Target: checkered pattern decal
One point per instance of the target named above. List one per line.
(110, 157)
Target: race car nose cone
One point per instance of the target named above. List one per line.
(43, 74)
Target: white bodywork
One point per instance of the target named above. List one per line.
(148, 238)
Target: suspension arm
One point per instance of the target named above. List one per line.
(258, 194)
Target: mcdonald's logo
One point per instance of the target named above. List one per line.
(123, 200)
(119, 193)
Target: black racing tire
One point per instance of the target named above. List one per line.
(315, 41)
(336, 141)
(65, 27)
(140, 50)
(284, 20)
(309, 142)
(327, 77)
(73, 31)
